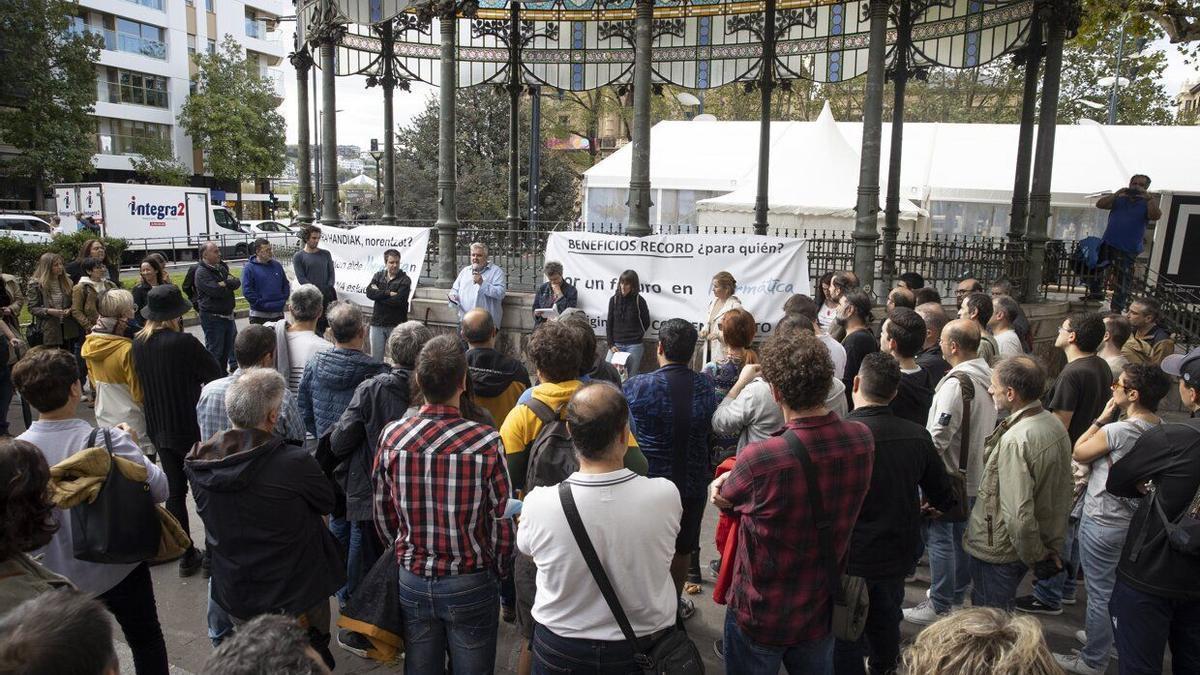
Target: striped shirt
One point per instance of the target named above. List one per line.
(441, 486)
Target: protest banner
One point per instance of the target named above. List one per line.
(676, 271)
(358, 255)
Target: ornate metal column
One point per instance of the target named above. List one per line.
(328, 33)
(514, 87)
(302, 62)
(447, 221)
(1061, 16)
(900, 74)
(1031, 56)
(766, 85)
(639, 176)
(387, 34)
(866, 226)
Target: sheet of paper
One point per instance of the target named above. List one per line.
(619, 358)
(549, 313)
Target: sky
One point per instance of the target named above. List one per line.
(361, 118)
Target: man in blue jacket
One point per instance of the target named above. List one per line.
(264, 284)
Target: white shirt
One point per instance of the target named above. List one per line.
(836, 352)
(632, 522)
(1008, 344)
(467, 295)
(58, 440)
(302, 346)
(826, 315)
(754, 415)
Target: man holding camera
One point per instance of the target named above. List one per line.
(1129, 210)
(1020, 515)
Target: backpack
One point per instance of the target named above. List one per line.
(551, 454)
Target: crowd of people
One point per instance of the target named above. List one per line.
(436, 484)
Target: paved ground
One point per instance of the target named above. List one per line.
(182, 602)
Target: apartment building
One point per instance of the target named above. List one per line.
(145, 69)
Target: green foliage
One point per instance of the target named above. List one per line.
(156, 163)
(19, 258)
(1093, 55)
(482, 143)
(47, 90)
(233, 117)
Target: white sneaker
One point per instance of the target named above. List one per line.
(1081, 638)
(923, 614)
(1073, 663)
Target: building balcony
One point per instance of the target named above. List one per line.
(274, 76)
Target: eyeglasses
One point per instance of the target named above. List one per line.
(959, 292)
(1117, 385)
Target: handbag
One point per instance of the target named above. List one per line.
(961, 510)
(850, 598)
(34, 336)
(673, 653)
(121, 525)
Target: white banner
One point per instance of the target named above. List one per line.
(358, 255)
(676, 271)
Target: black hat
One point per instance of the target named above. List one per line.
(1184, 366)
(164, 302)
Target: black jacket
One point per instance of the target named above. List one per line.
(492, 373)
(390, 310)
(544, 299)
(931, 360)
(354, 438)
(1168, 454)
(627, 320)
(211, 296)
(915, 397)
(262, 499)
(172, 368)
(885, 537)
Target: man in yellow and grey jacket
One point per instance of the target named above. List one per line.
(1020, 513)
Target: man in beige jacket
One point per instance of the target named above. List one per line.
(1020, 513)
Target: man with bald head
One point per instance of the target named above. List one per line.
(900, 297)
(633, 522)
(215, 300)
(930, 357)
(948, 563)
(498, 380)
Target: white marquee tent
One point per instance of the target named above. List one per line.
(960, 175)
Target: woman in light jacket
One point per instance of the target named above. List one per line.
(723, 286)
(50, 302)
(108, 352)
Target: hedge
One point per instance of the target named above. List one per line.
(19, 258)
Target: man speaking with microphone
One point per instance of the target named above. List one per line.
(480, 284)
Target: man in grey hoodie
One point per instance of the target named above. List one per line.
(948, 562)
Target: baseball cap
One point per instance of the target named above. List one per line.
(1184, 366)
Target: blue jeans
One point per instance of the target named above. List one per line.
(1121, 262)
(949, 567)
(880, 641)
(1144, 624)
(219, 334)
(220, 624)
(456, 613)
(743, 655)
(636, 351)
(1062, 585)
(995, 585)
(379, 337)
(360, 546)
(555, 654)
(1099, 553)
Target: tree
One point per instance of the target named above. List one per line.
(156, 162)
(482, 144)
(232, 116)
(47, 91)
(1093, 56)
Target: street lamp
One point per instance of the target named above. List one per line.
(378, 155)
(695, 104)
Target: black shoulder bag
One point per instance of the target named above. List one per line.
(672, 654)
(121, 525)
(961, 510)
(850, 599)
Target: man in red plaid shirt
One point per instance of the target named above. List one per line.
(780, 603)
(441, 488)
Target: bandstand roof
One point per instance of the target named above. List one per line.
(698, 44)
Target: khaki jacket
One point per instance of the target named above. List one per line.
(85, 301)
(1024, 497)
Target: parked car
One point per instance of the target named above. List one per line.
(265, 227)
(27, 228)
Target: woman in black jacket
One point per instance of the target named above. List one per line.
(153, 272)
(389, 290)
(172, 366)
(628, 319)
(92, 248)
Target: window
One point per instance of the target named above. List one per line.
(121, 137)
(153, 4)
(255, 27)
(127, 86)
(212, 46)
(191, 45)
(140, 38)
(208, 5)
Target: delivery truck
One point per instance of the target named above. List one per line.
(172, 220)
